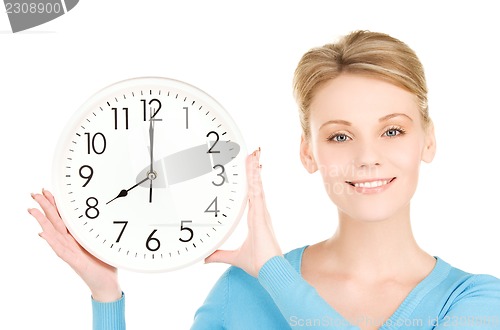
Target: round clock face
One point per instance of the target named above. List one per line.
(149, 175)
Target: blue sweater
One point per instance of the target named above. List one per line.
(448, 298)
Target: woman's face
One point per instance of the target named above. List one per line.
(367, 140)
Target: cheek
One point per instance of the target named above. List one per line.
(334, 164)
(405, 157)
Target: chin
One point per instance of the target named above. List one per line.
(368, 217)
(373, 211)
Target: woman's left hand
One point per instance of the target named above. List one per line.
(260, 244)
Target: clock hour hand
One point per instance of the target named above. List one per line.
(151, 191)
(124, 192)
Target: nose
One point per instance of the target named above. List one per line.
(367, 155)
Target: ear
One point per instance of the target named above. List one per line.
(430, 144)
(306, 155)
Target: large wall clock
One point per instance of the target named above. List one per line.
(149, 174)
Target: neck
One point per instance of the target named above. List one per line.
(375, 249)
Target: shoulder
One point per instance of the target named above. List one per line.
(468, 283)
(467, 292)
(477, 286)
(295, 257)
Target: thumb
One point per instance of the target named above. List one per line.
(222, 256)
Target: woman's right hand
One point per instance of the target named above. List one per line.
(101, 278)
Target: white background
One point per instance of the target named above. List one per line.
(243, 54)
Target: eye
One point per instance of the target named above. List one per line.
(338, 137)
(394, 131)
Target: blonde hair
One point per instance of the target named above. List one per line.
(373, 54)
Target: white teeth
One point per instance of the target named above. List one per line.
(372, 184)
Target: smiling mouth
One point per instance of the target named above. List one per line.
(370, 184)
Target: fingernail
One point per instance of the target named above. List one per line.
(29, 210)
(33, 195)
(259, 149)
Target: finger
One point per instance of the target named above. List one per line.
(63, 246)
(60, 226)
(49, 196)
(253, 174)
(257, 206)
(50, 211)
(42, 220)
(48, 233)
(221, 256)
(57, 244)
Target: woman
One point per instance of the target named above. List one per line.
(366, 129)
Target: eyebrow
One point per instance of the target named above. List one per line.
(392, 115)
(347, 123)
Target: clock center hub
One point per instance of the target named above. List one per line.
(152, 175)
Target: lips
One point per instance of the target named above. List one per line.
(371, 183)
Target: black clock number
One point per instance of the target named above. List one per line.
(89, 176)
(97, 143)
(189, 230)
(124, 223)
(221, 175)
(150, 115)
(92, 212)
(156, 242)
(116, 117)
(213, 207)
(210, 151)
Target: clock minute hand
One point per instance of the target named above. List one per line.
(124, 192)
(151, 140)
(151, 175)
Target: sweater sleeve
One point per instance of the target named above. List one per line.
(297, 300)
(109, 315)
